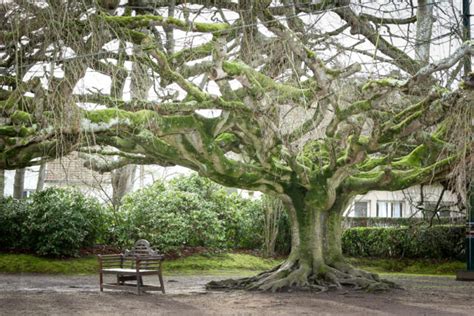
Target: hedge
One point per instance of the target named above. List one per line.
(402, 221)
(436, 242)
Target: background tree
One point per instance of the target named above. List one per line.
(19, 183)
(253, 95)
(273, 209)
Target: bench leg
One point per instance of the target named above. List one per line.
(101, 281)
(161, 282)
(139, 284)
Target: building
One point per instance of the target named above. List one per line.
(70, 171)
(415, 201)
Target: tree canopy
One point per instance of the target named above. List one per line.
(312, 101)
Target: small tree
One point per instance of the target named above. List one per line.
(273, 209)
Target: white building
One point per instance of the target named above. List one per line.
(404, 203)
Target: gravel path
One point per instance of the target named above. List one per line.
(26, 294)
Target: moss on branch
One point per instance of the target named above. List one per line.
(21, 117)
(260, 83)
(382, 83)
(355, 108)
(140, 21)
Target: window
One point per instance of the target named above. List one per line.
(443, 209)
(360, 209)
(382, 209)
(397, 209)
(27, 193)
(389, 209)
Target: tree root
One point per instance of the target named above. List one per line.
(296, 276)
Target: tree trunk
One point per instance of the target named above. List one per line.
(2, 183)
(19, 183)
(122, 182)
(424, 25)
(41, 177)
(315, 261)
(273, 208)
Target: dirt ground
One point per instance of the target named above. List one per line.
(26, 294)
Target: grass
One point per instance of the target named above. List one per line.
(227, 263)
(196, 264)
(409, 266)
(22, 263)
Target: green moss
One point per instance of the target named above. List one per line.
(310, 54)
(21, 117)
(414, 159)
(212, 27)
(191, 53)
(355, 108)
(7, 104)
(386, 82)
(260, 83)
(226, 138)
(7, 130)
(371, 163)
(315, 155)
(105, 115)
(25, 131)
(146, 20)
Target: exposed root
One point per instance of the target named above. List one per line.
(296, 276)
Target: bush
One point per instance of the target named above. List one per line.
(191, 211)
(61, 221)
(170, 219)
(436, 242)
(13, 215)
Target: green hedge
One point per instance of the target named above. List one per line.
(396, 222)
(436, 242)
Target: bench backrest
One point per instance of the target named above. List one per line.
(141, 248)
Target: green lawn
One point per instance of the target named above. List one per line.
(210, 264)
(408, 266)
(217, 264)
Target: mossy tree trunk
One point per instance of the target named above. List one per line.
(315, 261)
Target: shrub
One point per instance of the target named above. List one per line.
(436, 242)
(61, 221)
(170, 219)
(191, 211)
(13, 215)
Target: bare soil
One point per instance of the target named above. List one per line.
(26, 294)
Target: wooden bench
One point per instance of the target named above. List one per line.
(132, 266)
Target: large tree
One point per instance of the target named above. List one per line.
(253, 95)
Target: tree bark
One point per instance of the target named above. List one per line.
(122, 183)
(41, 177)
(19, 183)
(273, 208)
(2, 183)
(424, 25)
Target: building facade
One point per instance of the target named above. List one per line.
(416, 201)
